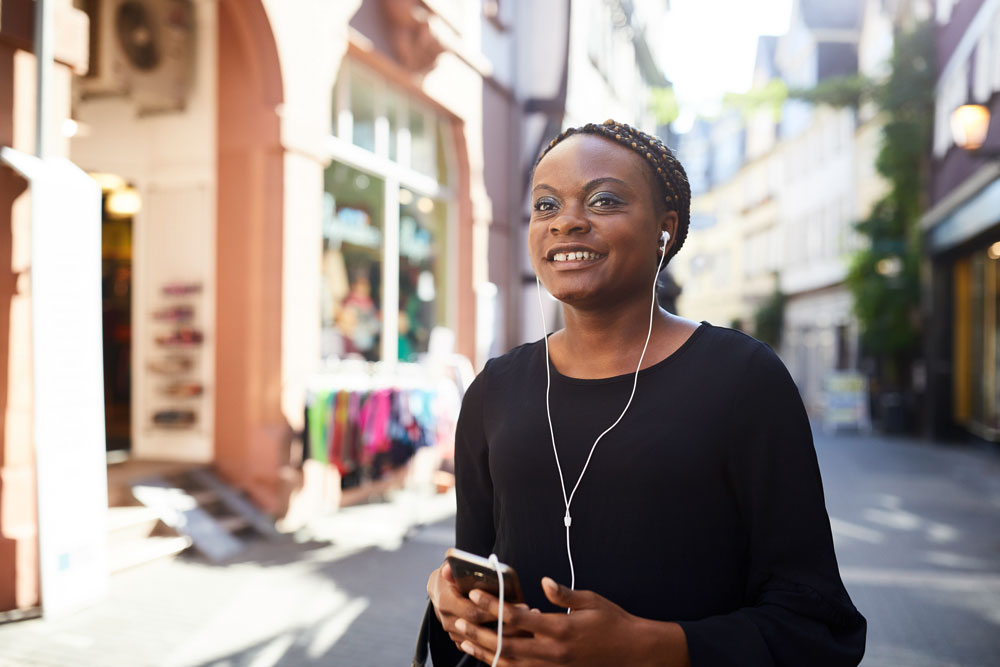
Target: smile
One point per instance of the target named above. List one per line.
(576, 256)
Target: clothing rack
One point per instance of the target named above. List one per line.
(368, 419)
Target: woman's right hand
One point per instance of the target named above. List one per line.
(450, 605)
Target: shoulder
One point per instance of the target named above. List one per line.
(523, 358)
(738, 360)
(510, 366)
(731, 348)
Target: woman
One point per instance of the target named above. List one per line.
(699, 534)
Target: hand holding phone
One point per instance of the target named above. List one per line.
(475, 572)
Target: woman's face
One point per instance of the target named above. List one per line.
(592, 196)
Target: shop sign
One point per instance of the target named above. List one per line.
(351, 225)
(846, 401)
(68, 381)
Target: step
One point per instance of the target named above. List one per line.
(145, 551)
(233, 524)
(130, 523)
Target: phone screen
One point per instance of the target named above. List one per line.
(474, 572)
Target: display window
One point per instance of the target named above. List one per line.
(387, 214)
(977, 341)
(351, 303)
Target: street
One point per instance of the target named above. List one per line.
(915, 526)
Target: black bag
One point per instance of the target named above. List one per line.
(430, 643)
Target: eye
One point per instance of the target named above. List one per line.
(545, 204)
(605, 200)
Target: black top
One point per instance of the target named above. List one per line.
(704, 506)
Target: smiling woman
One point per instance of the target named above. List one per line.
(662, 472)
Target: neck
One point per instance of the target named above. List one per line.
(607, 342)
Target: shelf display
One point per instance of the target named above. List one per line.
(178, 336)
(175, 418)
(181, 289)
(172, 365)
(181, 336)
(183, 389)
(182, 313)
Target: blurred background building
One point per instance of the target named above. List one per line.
(962, 224)
(315, 213)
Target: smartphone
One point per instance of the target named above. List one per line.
(472, 571)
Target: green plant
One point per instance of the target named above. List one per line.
(884, 277)
(770, 318)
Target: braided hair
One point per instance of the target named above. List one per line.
(672, 189)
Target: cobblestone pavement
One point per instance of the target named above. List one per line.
(916, 528)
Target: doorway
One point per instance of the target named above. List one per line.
(116, 292)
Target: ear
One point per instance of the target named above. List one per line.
(668, 222)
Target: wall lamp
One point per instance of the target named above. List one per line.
(969, 126)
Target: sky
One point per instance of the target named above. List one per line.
(707, 48)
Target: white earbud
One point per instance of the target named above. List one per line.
(665, 236)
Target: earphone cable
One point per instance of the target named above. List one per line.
(495, 563)
(568, 500)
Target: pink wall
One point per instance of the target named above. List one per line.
(251, 433)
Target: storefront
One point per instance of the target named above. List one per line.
(976, 285)
(285, 193)
(388, 222)
(962, 228)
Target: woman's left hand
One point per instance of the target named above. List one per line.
(598, 632)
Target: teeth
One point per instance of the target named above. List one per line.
(575, 255)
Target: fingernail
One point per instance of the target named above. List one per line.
(461, 625)
(475, 596)
(467, 647)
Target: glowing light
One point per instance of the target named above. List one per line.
(70, 127)
(425, 205)
(969, 125)
(889, 266)
(993, 252)
(108, 182)
(405, 197)
(123, 202)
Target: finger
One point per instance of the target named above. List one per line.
(565, 596)
(515, 650)
(447, 573)
(453, 603)
(519, 616)
(481, 654)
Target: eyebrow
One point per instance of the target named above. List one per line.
(588, 186)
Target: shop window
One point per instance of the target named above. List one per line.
(362, 101)
(350, 292)
(393, 109)
(423, 224)
(381, 221)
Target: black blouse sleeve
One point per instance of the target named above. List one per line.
(474, 531)
(474, 528)
(797, 611)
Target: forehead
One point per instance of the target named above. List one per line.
(581, 158)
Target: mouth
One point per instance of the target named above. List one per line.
(573, 256)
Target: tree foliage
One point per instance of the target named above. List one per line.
(837, 91)
(887, 302)
(771, 95)
(770, 318)
(663, 104)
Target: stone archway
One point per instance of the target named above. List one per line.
(251, 432)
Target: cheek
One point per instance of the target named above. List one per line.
(534, 244)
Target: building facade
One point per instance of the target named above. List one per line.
(284, 187)
(962, 230)
(777, 194)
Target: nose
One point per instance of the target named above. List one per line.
(568, 222)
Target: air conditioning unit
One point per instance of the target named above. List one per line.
(143, 49)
